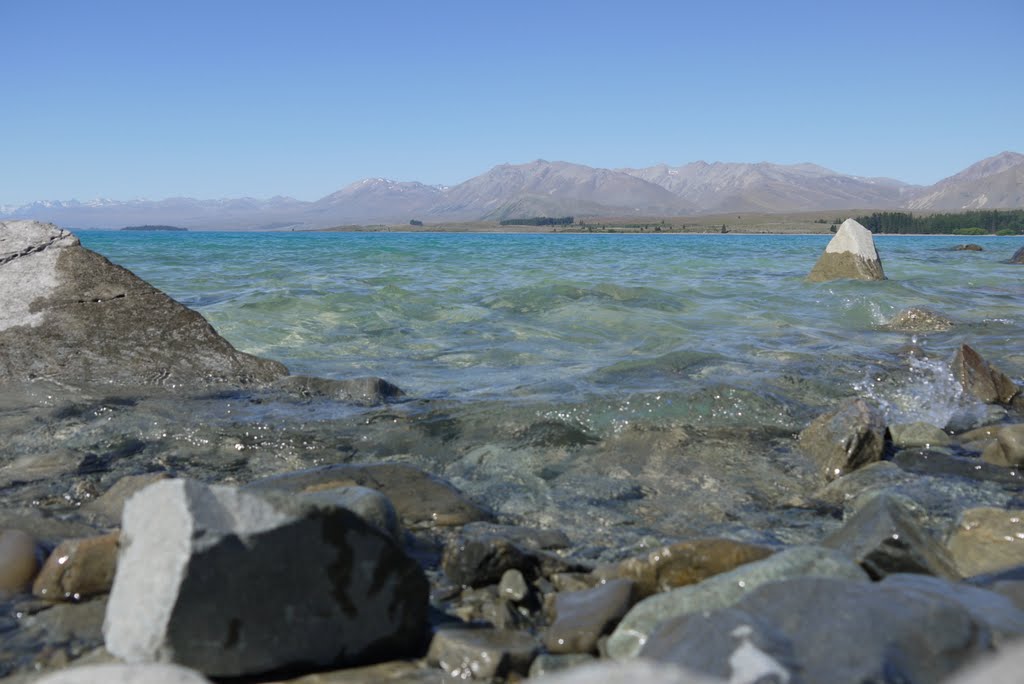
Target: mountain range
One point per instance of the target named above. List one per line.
(543, 188)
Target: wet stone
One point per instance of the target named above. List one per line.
(513, 586)
(980, 379)
(420, 498)
(919, 320)
(467, 653)
(885, 537)
(918, 435)
(18, 562)
(368, 391)
(482, 557)
(683, 563)
(786, 631)
(630, 672)
(582, 617)
(368, 504)
(1007, 449)
(78, 568)
(549, 663)
(1018, 257)
(942, 464)
(845, 439)
(987, 540)
(232, 583)
(969, 247)
(725, 589)
(395, 671)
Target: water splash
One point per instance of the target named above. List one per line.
(927, 393)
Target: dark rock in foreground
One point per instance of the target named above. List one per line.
(231, 583)
(1018, 257)
(71, 316)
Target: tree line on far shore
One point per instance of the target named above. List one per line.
(1008, 222)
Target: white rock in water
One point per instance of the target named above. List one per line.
(850, 254)
(230, 583)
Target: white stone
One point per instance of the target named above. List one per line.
(854, 238)
(117, 673)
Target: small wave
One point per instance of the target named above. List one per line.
(929, 393)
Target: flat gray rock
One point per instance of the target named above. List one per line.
(828, 630)
(725, 589)
(231, 583)
(850, 254)
(73, 317)
(850, 437)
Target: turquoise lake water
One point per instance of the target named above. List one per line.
(622, 388)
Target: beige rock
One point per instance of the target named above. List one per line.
(18, 564)
(78, 568)
(108, 506)
(850, 254)
(1008, 447)
(843, 440)
(918, 435)
(987, 540)
(684, 563)
(582, 617)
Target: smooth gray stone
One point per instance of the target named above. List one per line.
(232, 583)
(918, 435)
(468, 653)
(884, 537)
(582, 617)
(368, 504)
(368, 391)
(549, 663)
(827, 630)
(629, 672)
(725, 589)
(71, 316)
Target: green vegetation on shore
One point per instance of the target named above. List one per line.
(539, 221)
(1007, 222)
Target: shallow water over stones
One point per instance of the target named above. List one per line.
(627, 393)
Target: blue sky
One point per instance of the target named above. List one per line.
(228, 99)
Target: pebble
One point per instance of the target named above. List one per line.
(18, 564)
(468, 653)
(918, 435)
(1007, 449)
(78, 568)
(513, 586)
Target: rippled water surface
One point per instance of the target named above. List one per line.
(619, 387)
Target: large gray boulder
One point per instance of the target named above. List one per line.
(231, 583)
(71, 316)
(834, 630)
(850, 254)
(724, 590)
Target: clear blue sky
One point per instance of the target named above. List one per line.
(227, 99)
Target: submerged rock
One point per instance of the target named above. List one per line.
(980, 379)
(71, 316)
(917, 319)
(918, 434)
(479, 557)
(368, 391)
(987, 540)
(419, 497)
(884, 537)
(845, 439)
(231, 583)
(787, 631)
(683, 563)
(724, 590)
(969, 247)
(1018, 257)
(850, 254)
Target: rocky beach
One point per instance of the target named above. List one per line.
(642, 459)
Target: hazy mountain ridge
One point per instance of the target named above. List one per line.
(542, 188)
